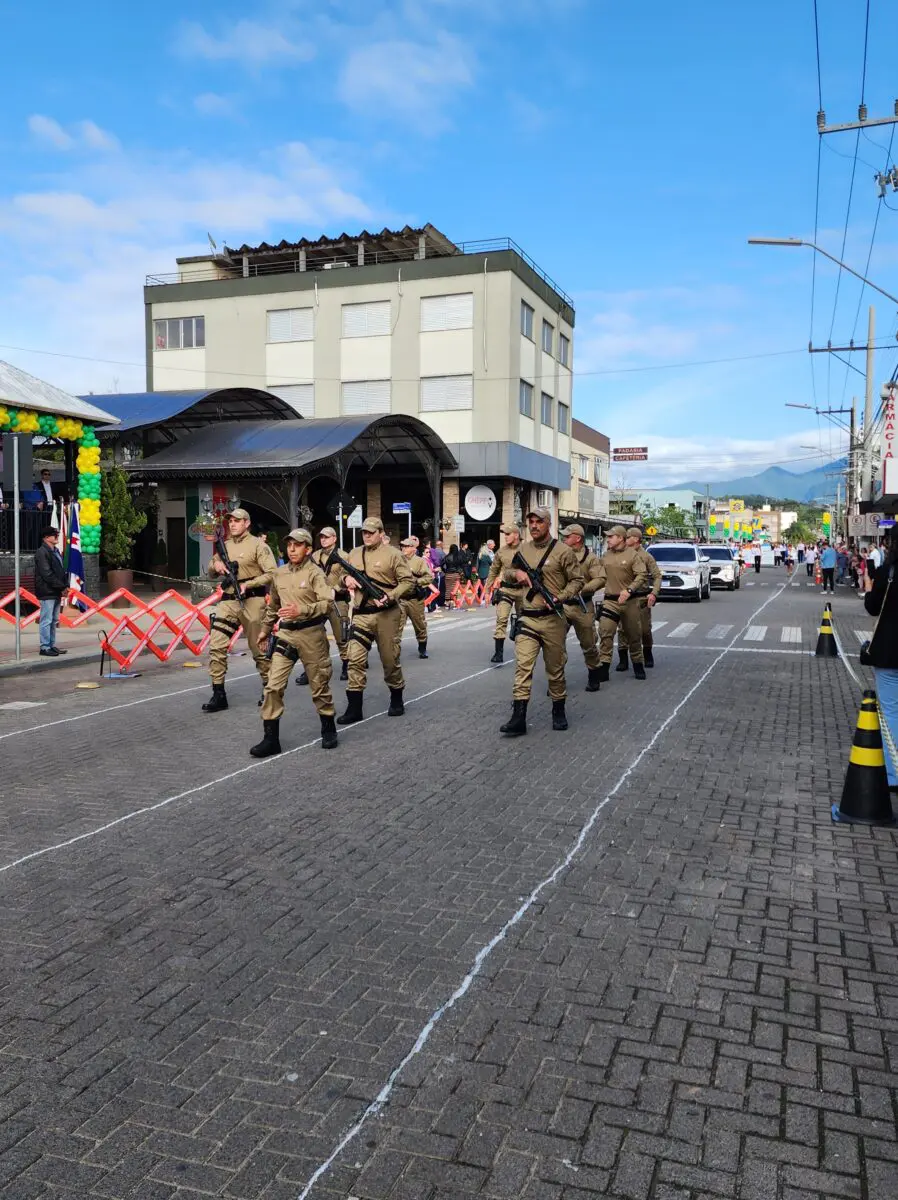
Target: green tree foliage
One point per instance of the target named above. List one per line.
(669, 520)
(121, 522)
(798, 532)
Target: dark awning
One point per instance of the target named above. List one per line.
(264, 448)
(184, 411)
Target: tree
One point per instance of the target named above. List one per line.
(669, 520)
(121, 522)
(798, 532)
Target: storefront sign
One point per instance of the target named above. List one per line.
(480, 502)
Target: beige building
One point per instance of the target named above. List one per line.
(472, 339)
(585, 499)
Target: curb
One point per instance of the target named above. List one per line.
(29, 666)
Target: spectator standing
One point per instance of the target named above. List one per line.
(881, 601)
(810, 557)
(50, 585)
(828, 560)
(756, 551)
(841, 563)
(452, 570)
(465, 562)
(436, 557)
(485, 560)
(800, 549)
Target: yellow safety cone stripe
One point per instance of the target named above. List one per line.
(867, 720)
(866, 758)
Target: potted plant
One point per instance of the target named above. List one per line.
(121, 522)
(160, 565)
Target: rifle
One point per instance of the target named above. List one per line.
(536, 583)
(374, 590)
(230, 572)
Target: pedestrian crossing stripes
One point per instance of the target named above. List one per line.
(791, 633)
(719, 632)
(683, 630)
(756, 633)
(862, 635)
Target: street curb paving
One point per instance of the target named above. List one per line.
(73, 658)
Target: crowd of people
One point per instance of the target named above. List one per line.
(840, 564)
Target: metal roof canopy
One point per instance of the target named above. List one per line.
(21, 390)
(248, 449)
(185, 412)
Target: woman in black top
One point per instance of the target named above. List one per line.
(881, 601)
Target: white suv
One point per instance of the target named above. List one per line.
(724, 566)
(685, 570)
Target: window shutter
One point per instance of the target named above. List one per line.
(366, 396)
(366, 320)
(447, 312)
(290, 325)
(300, 397)
(443, 393)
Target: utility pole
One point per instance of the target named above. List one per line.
(867, 455)
(851, 480)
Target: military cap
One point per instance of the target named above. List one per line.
(634, 532)
(239, 514)
(617, 531)
(372, 525)
(299, 535)
(539, 510)
(578, 529)
(327, 531)
(509, 529)
(410, 541)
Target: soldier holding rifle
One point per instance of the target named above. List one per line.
(299, 601)
(646, 603)
(550, 575)
(626, 579)
(338, 614)
(509, 595)
(243, 566)
(582, 617)
(412, 608)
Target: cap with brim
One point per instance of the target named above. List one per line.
(617, 531)
(509, 529)
(299, 535)
(327, 532)
(372, 525)
(49, 532)
(409, 542)
(634, 532)
(239, 514)
(577, 529)
(540, 511)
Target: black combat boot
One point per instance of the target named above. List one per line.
(624, 663)
(328, 733)
(594, 682)
(303, 680)
(344, 670)
(270, 743)
(498, 655)
(353, 709)
(648, 657)
(422, 649)
(639, 670)
(559, 717)
(517, 726)
(397, 708)
(604, 672)
(218, 700)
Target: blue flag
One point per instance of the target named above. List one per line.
(76, 559)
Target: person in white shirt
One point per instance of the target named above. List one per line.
(800, 549)
(810, 557)
(875, 556)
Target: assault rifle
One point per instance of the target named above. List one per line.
(365, 582)
(535, 576)
(229, 576)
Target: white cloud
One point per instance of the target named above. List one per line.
(96, 138)
(210, 104)
(405, 80)
(83, 134)
(45, 129)
(248, 43)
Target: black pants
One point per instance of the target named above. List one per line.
(758, 566)
(810, 568)
(828, 575)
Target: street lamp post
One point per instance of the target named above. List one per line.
(758, 241)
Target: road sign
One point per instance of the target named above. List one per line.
(458, 523)
(737, 506)
(402, 506)
(651, 531)
(354, 520)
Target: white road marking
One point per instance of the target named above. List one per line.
(750, 582)
(862, 635)
(656, 625)
(756, 633)
(719, 632)
(17, 705)
(684, 629)
(791, 633)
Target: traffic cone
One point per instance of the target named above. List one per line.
(826, 642)
(865, 796)
(818, 574)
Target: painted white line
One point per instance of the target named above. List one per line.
(756, 633)
(791, 633)
(684, 629)
(739, 649)
(202, 787)
(719, 632)
(383, 1096)
(656, 625)
(18, 705)
(862, 635)
(750, 582)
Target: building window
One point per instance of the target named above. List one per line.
(584, 469)
(526, 320)
(564, 418)
(445, 393)
(447, 312)
(601, 476)
(545, 409)
(181, 333)
(300, 397)
(363, 396)
(291, 325)
(548, 337)
(525, 402)
(544, 498)
(366, 320)
(564, 350)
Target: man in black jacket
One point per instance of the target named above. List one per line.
(50, 585)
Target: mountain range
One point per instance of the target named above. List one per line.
(777, 483)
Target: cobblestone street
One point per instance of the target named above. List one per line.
(635, 960)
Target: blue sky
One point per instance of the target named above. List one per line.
(630, 149)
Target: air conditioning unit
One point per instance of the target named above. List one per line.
(544, 498)
(330, 266)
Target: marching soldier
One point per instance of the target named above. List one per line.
(510, 593)
(339, 610)
(625, 574)
(376, 621)
(541, 628)
(255, 566)
(646, 603)
(413, 606)
(299, 599)
(584, 622)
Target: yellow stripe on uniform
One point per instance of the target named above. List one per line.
(866, 758)
(867, 720)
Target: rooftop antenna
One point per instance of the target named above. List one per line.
(212, 243)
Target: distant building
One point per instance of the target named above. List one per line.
(585, 500)
(627, 502)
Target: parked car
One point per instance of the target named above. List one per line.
(724, 566)
(685, 569)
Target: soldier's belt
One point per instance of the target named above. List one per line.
(538, 612)
(609, 613)
(577, 602)
(294, 625)
(248, 594)
(371, 610)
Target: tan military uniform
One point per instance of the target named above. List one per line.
(539, 628)
(511, 593)
(584, 623)
(623, 569)
(255, 568)
(303, 638)
(338, 612)
(412, 608)
(370, 625)
(645, 613)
